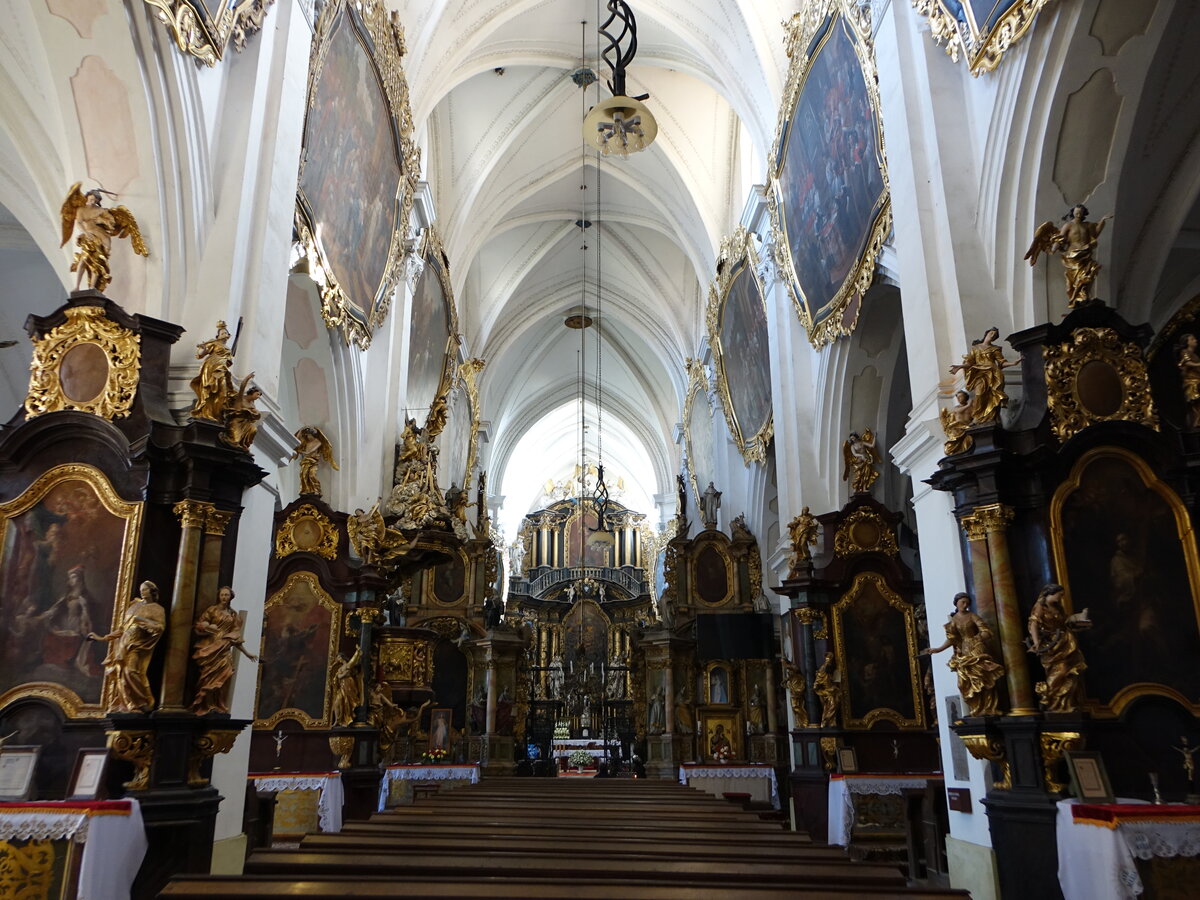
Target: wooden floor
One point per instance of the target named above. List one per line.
(559, 837)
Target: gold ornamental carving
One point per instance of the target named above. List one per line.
(736, 258)
(205, 746)
(308, 530)
(204, 29)
(864, 531)
(217, 521)
(982, 48)
(136, 747)
(64, 372)
(343, 746)
(1097, 377)
(829, 748)
(807, 615)
(1054, 744)
(985, 520)
(27, 872)
(469, 373)
(406, 660)
(982, 746)
(795, 684)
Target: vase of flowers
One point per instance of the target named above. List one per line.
(435, 755)
(579, 759)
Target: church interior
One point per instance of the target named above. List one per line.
(599, 448)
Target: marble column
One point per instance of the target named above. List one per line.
(192, 515)
(995, 520)
(491, 694)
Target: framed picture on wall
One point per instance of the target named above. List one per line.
(17, 768)
(87, 778)
(847, 760)
(439, 729)
(1089, 778)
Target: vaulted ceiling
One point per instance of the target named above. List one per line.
(499, 120)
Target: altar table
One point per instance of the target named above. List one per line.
(842, 789)
(756, 779)
(456, 774)
(290, 811)
(1098, 843)
(110, 834)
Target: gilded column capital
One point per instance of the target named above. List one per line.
(217, 521)
(192, 513)
(985, 520)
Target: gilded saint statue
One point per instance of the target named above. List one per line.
(213, 384)
(1189, 376)
(415, 496)
(803, 532)
(96, 226)
(955, 422)
(218, 634)
(242, 416)
(132, 646)
(347, 687)
(312, 447)
(1076, 240)
(795, 683)
(983, 369)
(371, 539)
(977, 670)
(860, 458)
(1052, 638)
(827, 687)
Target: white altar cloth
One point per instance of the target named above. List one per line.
(1096, 852)
(329, 799)
(110, 832)
(841, 799)
(420, 772)
(756, 779)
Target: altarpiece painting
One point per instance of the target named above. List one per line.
(830, 208)
(68, 549)
(299, 643)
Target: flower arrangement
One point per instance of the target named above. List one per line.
(435, 754)
(721, 753)
(580, 758)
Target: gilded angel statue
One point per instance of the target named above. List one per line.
(313, 447)
(1076, 240)
(97, 227)
(955, 422)
(242, 416)
(860, 457)
(367, 532)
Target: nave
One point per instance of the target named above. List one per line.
(577, 837)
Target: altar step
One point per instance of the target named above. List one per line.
(576, 838)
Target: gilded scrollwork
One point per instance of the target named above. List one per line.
(204, 29)
(468, 373)
(1054, 745)
(86, 326)
(863, 531)
(736, 258)
(695, 395)
(801, 31)
(135, 747)
(342, 746)
(981, 47)
(1097, 377)
(808, 615)
(205, 746)
(984, 746)
(306, 529)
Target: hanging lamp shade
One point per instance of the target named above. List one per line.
(619, 126)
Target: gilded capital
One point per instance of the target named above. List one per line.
(192, 513)
(217, 521)
(985, 520)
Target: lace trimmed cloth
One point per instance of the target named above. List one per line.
(842, 789)
(329, 800)
(724, 778)
(403, 772)
(1099, 843)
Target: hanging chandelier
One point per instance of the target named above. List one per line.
(621, 124)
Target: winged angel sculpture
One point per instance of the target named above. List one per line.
(313, 447)
(372, 540)
(97, 227)
(1076, 240)
(860, 457)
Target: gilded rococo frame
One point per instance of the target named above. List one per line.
(204, 29)
(325, 601)
(806, 35)
(67, 700)
(433, 254)
(982, 43)
(837, 613)
(737, 259)
(1191, 558)
(382, 40)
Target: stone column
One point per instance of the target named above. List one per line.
(668, 699)
(995, 519)
(490, 681)
(981, 571)
(772, 721)
(192, 514)
(209, 577)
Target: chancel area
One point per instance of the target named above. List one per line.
(599, 448)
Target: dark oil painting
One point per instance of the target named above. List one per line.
(831, 181)
(1125, 563)
(877, 672)
(744, 353)
(295, 650)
